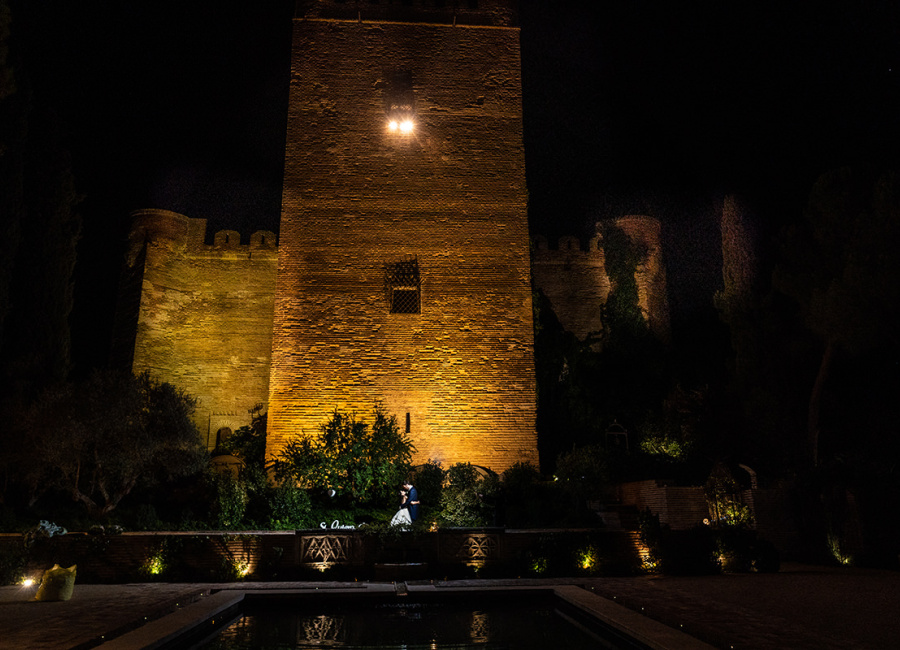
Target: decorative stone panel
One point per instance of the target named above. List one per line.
(329, 549)
(470, 548)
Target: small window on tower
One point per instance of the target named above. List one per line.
(402, 286)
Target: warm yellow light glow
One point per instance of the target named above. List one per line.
(27, 582)
(154, 565)
(404, 127)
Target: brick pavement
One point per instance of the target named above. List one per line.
(94, 612)
(801, 607)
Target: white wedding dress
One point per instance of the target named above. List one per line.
(402, 518)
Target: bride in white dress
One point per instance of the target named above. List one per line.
(402, 517)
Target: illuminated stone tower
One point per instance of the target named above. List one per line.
(403, 267)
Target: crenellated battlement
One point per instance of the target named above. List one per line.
(572, 274)
(566, 247)
(180, 233)
(495, 13)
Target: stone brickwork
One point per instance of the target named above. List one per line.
(204, 320)
(575, 282)
(449, 198)
(679, 507)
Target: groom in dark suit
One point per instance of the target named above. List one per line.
(412, 500)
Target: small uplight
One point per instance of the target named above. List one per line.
(406, 126)
(27, 582)
(393, 126)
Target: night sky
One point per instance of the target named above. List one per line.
(630, 107)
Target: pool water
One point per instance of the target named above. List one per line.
(406, 625)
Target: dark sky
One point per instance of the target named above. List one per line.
(630, 107)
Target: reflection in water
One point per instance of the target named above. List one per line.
(481, 629)
(322, 629)
(408, 626)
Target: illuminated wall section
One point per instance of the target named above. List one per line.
(204, 322)
(404, 265)
(574, 279)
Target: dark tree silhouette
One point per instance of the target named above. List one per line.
(38, 236)
(840, 265)
(98, 439)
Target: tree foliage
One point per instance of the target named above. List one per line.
(840, 265)
(98, 439)
(585, 470)
(249, 442)
(469, 498)
(619, 373)
(361, 464)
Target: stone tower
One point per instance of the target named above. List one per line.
(403, 266)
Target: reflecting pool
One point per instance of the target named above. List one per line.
(407, 625)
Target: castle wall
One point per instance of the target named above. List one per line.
(451, 196)
(308, 326)
(575, 281)
(205, 317)
(651, 275)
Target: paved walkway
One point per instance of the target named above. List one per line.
(800, 607)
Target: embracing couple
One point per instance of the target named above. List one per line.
(409, 505)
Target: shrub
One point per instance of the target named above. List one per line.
(585, 471)
(429, 481)
(528, 500)
(741, 550)
(230, 501)
(362, 465)
(289, 508)
(469, 499)
(651, 537)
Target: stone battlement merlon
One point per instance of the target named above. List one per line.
(567, 245)
(153, 225)
(476, 13)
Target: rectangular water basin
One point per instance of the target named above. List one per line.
(390, 617)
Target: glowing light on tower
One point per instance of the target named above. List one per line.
(403, 127)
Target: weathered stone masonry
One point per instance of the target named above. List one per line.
(204, 321)
(450, 197)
